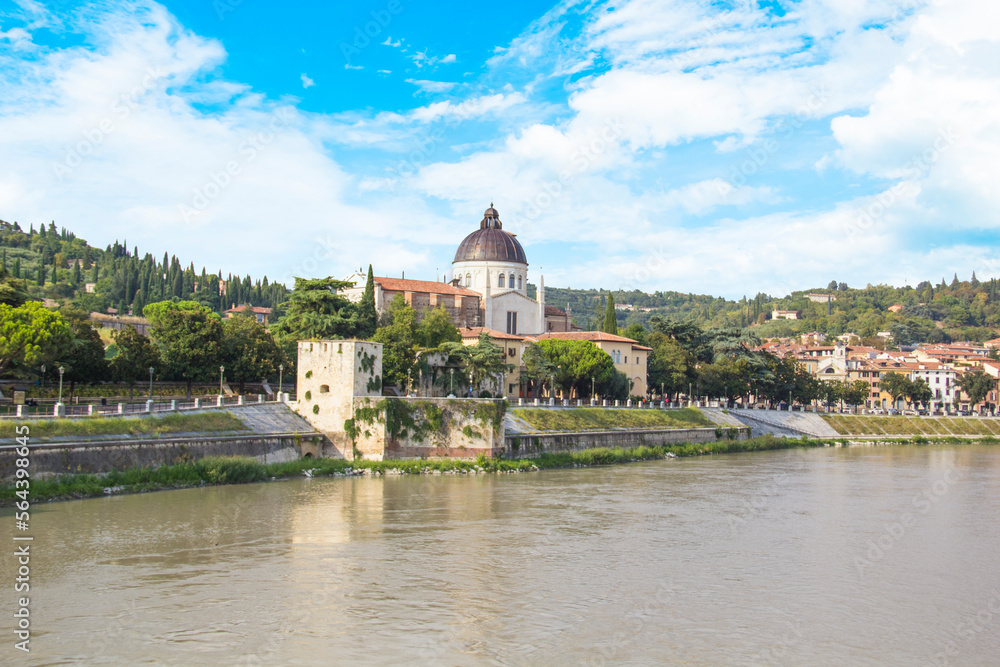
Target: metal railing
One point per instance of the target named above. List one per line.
(55, 410)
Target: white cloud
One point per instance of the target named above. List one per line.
(350, 66)
(427, 86)
(388, 42)
(307, 82)
(450, 58)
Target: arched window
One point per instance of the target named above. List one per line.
(468, 280)
(519, 282)
(511, 282)
(500, 281)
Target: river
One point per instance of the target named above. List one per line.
(861, 556)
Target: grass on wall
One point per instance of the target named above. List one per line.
(599, 419)
(209, 422)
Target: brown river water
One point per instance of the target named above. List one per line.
(859, 556)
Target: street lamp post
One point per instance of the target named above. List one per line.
(61, 370)
(592, 387)
(222, 370)
(41, 389)
(151, 383)
(281, 372)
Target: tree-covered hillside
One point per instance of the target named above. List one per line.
(955, 310)
(58, 265)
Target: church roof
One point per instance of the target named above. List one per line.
(490, 242)
(424, 286)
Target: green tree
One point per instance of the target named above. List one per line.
(610, 318)
(670, 364)
(577, 362)
(315, 311)
(399, 343)
(829, 392)
(135, 355)
(249, 351)
(436, 328)
(976, 384)
(189, 337)
(537, 367)
(84, 358)
(367, 317)
(895, 384)
(13, 292)
(920, 392)
(636, 332)
(31, 335)
(857, 392)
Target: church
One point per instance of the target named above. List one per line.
(488, 289)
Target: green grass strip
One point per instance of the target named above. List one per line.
(213, 421)
(590, 419)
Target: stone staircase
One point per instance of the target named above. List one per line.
(271, 418)
(788, 424)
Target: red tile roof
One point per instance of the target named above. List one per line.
(595, 336)
(255, 309)
(424, 286)
(473, 332)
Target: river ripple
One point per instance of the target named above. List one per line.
(868, 556)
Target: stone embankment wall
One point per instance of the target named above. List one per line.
(407, 428)
(531, 445)
(340, 395)
(105, 455)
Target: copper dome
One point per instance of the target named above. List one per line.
(490, 242)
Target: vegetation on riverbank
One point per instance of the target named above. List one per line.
(245, 469)
(589, 419)
(899, 425)
(213, 421)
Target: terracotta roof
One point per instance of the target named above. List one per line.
(255, 309)
(595, 336)
(554, 310)
(642, 347)
(425, 286)
(473, 332)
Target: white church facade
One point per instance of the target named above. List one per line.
(488, 289)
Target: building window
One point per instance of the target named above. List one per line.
(500, 281)
(510, 281)
(468, 280)
(519, 282)
(511, 321)
(510, 352)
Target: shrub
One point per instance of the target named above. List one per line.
(231, 469)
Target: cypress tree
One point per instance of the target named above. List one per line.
(366, 310)
(77, 277)
(17, 268)
(610, 320)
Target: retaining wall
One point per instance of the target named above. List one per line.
(104, 456)
(531, 445)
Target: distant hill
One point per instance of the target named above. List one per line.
(61, 266)
(959, 310)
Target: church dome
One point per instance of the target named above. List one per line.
(490, 242)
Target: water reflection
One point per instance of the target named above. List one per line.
(744, 559)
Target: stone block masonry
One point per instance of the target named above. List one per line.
(107, 455)
(340, 395)
(531, 445)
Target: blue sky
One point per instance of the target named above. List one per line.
(710, 147)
